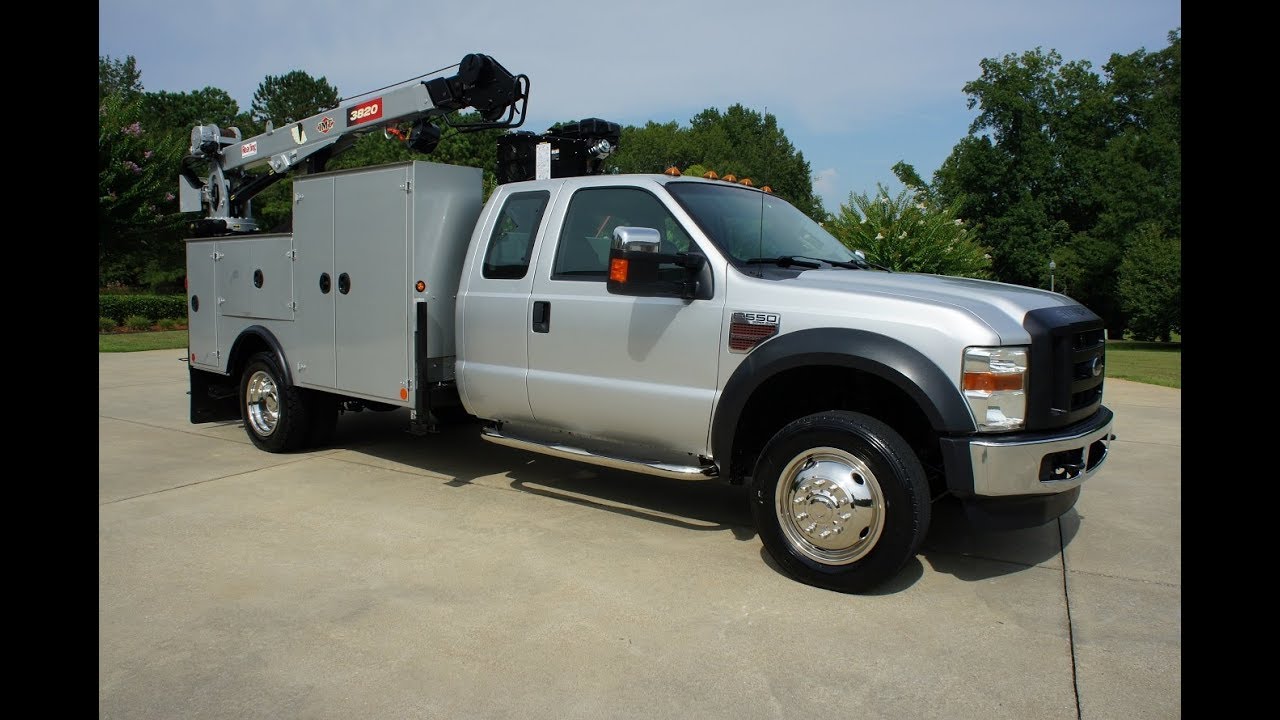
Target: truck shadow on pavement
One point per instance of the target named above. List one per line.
(954, 548)
(458, 453)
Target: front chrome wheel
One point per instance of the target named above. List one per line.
(262, 403)
(830, 506)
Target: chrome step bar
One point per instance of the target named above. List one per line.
(675, 472)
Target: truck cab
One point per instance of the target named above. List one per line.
(755, 334)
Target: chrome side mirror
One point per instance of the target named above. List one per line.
(636, 239)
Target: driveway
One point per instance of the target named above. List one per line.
(397, 576)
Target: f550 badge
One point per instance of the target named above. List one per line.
(749, 329)
(364, 112)
(756, 318)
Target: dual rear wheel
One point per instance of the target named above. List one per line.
(279, 417)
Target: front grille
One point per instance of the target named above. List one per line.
(1086, 357)
(1068, 360)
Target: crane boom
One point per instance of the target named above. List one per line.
(225, 194)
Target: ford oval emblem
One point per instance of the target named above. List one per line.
(1097, 366)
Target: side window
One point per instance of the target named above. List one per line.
(583, 250)
(511, 244)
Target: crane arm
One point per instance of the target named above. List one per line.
(481, 83)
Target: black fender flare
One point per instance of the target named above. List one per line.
(270, 339)
(889, 359)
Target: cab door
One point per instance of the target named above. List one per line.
(638, 370)
(492, 316)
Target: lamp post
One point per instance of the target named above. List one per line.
(1052, 266)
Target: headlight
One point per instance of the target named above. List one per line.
(995, 384)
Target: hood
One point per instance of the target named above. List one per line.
(1000, 305)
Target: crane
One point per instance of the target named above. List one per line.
(224, 195)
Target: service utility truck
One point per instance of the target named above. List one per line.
(684, 327)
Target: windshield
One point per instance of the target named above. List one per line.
(750, 225)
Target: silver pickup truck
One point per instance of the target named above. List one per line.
(688, 328)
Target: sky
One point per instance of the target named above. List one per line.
(855, 85)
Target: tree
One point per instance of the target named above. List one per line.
(180, 112)
(282, 99)
(739, 141)
(750, 144)
(290, 97)
(120, 77)
(653, 148)
(1063, 164)
(1151, 284)
(136, 218)
(1013, 173)
(910, 233)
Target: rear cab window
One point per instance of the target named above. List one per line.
(514, 233)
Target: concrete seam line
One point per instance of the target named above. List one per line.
(424, 473)
(156, 384)
(245, 442)
(201, 482)
(162, 427)
(1128, 579)
(1071, 631)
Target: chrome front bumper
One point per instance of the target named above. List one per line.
(1040, 464)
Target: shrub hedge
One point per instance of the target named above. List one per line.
(152, 307)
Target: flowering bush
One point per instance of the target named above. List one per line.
(910, 233)
(137, 215)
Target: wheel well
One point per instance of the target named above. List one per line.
(801, 391)
(246, 346)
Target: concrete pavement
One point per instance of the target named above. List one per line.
(394, 576)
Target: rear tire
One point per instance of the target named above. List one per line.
(840, 500)
(276, 416)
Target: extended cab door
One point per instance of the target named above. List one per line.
(493, 312)
(637, 370)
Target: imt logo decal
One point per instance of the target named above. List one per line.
(326, 124)
(249, 149)
(365, 112)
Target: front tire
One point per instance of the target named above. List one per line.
(840, 500)
(276, 415)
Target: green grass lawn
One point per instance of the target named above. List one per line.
(132, 342)
(1145, 362)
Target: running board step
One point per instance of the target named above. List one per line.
(675, 472)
